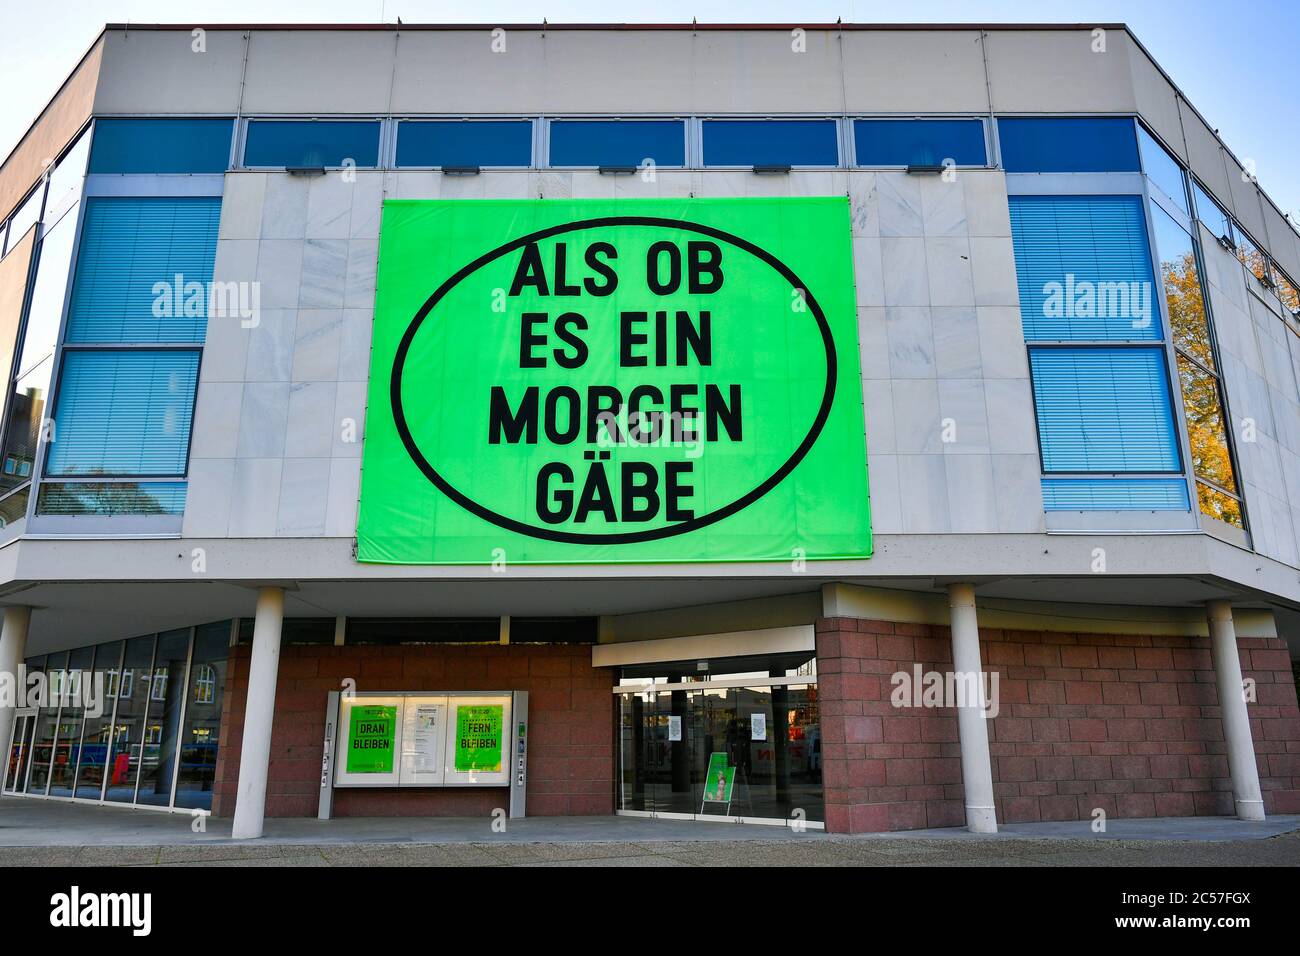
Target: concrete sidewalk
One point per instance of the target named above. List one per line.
(46, 832)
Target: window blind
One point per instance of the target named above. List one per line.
(132, 250)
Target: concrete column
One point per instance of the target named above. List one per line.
(259, 710)
(976, 767)
(1232, 704)
(13, 650)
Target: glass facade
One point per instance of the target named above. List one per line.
(678, 727)
(1108, 435)
(618, 142)
(158, 145)
(439, 143)
(312, 143)
(936, 142)
(1068, 145)
(812, 142)
(124, 406)
(1207, 428)
(132, 722)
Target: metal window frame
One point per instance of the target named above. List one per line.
(545, 120)
(1119, 184)
(534, 157)
(58, 718)
(851, 137)
(138, 186)
(836, 119)
(626, 692)
(1190, 222)
(997, 137)
(234, 139)
(117, 697)
(382, 147)
(57, 392)
(180, 719)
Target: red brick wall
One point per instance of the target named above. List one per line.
(570, 726)
(1126, 723)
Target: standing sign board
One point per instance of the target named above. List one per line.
(601, 381)
(719, 780)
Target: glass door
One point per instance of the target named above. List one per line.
(722, 753)
(19, 752)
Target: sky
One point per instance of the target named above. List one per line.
(1235, 61)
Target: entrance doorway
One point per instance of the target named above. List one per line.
(20, 748)
(740, 746)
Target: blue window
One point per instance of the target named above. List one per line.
(1211, 213)
(111, 498)
(771, 143)
(465, 143)
(1068, 145)
(1104, 410)
(1115, 494)
(161, 146)
(919, 142)
(131, 255)
(1083, 266)
(312, 143)
(124, 412)
(1162, 169)
(617, 142)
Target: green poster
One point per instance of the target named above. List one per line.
(478, 738)
(651, 380)
(372, 730)
(719, 780)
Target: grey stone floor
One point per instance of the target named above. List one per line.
(45, 832)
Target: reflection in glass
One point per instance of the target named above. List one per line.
(111, 498)
(67, 748)
(162, 725)
(26, 413)
(21, 751)
(1183, 292)
(768, 736)
(48, 292)
(26, 216)
(1216, 504)
(1205, 427)
(199, 739)
(47, 723)
(1162, 169)
(65, 182)
(1211, 213)
(94, 739)
(128, 728)
(1250, 256)
(1287, 292)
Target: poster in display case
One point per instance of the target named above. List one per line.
(454, 739)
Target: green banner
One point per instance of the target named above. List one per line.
(478, 738)
(372, 731)
(719, 780)
(653, 380)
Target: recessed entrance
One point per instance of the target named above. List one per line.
(736, 739)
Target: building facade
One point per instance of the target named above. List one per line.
(857, 427)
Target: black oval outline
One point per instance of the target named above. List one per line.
(624, 537)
